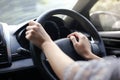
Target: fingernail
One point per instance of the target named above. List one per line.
(72, 37)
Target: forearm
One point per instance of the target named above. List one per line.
(57, 58)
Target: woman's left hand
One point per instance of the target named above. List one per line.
(36, 34)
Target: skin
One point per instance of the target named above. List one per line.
(38, 36)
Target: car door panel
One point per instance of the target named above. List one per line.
(112, 42)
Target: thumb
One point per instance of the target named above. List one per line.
(73, 39)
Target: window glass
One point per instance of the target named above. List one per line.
(17, 11)
(105, 15)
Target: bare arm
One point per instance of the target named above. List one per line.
(57, 59)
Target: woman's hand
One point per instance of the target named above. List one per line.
(36, 34)
(82, 45)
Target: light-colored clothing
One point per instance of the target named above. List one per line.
(102, 69)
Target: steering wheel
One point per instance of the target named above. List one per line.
(65, 44)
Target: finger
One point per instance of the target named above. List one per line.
(72, 34)
(30, 32)
(78, 34)
(81, 36)
(35, 23)
(73, 39)
(31, 23)
(28, 36)
(27, 32)
(28, 27)
(34, 27)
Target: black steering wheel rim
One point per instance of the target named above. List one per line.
(86, 24)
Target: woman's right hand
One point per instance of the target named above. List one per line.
(82, 45)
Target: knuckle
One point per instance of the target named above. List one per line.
(76, 32)
(76, 44)
(83, 37)
(30, 23)
(31, 32)
(27, 28)
(72, 38)
(35, 28)
(37, 24)
(28, 37)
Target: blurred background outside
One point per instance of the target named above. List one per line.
(17, 11)
(106, 13)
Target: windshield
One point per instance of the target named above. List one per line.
(17, 11)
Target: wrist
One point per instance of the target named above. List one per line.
(91, 56)
(46, 43)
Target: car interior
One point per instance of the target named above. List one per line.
(21, 60)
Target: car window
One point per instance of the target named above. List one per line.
(105, 15)
(17, 11)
